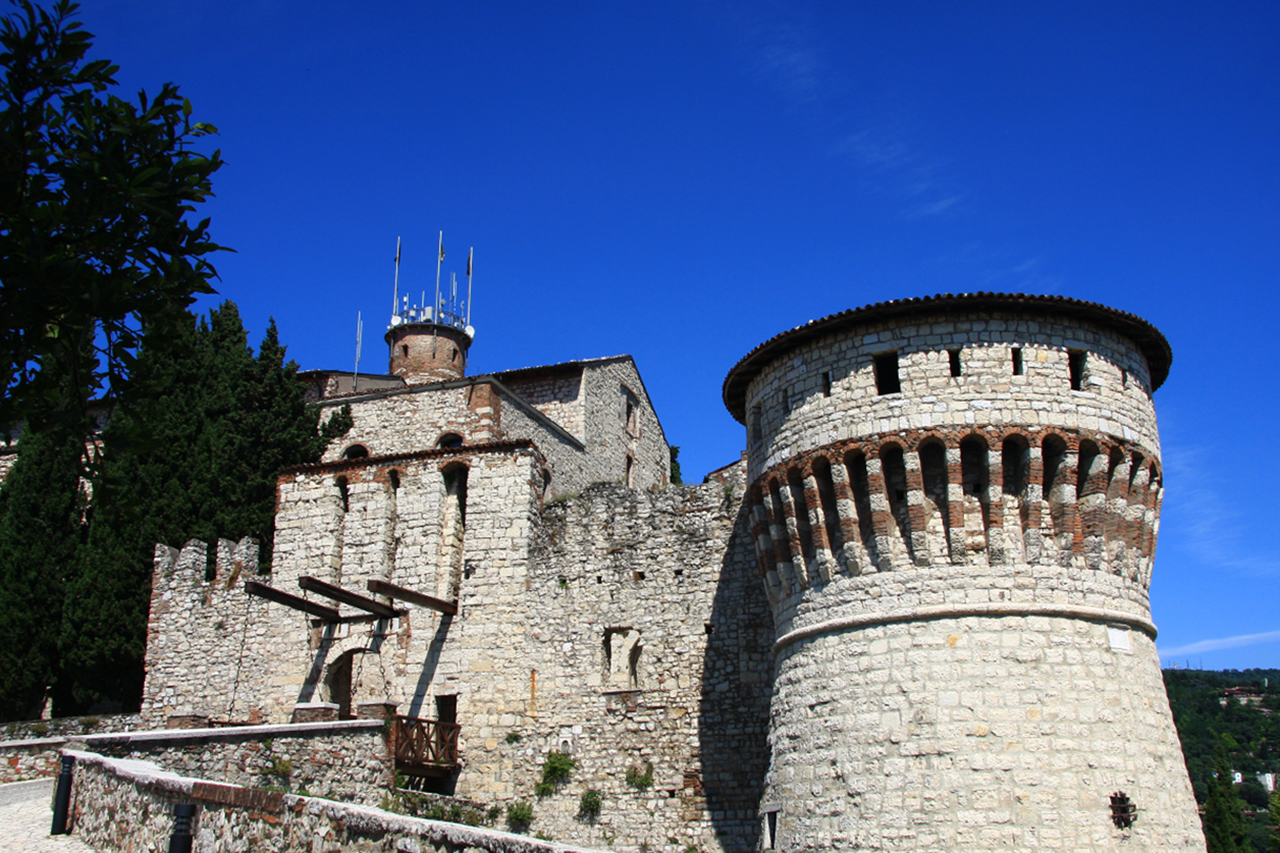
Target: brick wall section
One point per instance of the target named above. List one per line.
(347, 761)
(231, 817)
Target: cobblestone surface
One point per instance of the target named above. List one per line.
(25, 818)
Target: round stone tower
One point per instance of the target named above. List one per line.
(955, 504)
(428, 352)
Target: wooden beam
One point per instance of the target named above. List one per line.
(399, 593)
(328, 614)
(337, 593)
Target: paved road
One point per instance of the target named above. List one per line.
(25, 816)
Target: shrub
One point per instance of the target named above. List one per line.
(281, 767)
(589, 805)
(640, 779)
(519, 815)
(513, 737)
(556, 770)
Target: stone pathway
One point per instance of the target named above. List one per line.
(25, 816)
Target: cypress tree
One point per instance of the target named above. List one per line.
(41, 507)
(1224, 829)
(220, 423)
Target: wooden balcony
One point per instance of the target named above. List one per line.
(425, 747)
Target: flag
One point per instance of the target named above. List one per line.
(469, 256)
(442, 245)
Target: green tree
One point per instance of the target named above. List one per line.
(676, 479)
(1224, 828)
(1273, 840)
(41, 508)
(95, 239)
(219, 425)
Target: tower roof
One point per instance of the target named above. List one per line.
(1150, 341)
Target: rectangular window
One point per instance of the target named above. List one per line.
(955, 361)
(757, 431)
(786, 402)
(1017, 361)
(826, 383)
(1075, 362)
(886, 365)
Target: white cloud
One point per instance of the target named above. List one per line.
(1217, 645)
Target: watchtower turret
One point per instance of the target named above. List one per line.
(955, 504)
(430, 343)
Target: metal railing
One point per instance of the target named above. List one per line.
(424, 744)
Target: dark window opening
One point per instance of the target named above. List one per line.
(337, 685)
(343, 493)
(886, 367)
(394, 477)
(1017, 361)
(631, 473)
(454, 358)
(826, 384)
(679, 573)
(757, 431)
(449, 440)
(786, 403)
(1124, 378)
(404, 350)
(954, 355)
(637, 576)
(447, 709)
(770, 840)
(708, 628)
(355, 451)
(1075, 362)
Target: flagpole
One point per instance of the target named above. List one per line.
(470, 255)
(355, 376)
(435, 307)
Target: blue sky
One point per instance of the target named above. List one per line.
(681, 181)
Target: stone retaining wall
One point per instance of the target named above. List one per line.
(346, 760)
(235, 818)
(30, 748)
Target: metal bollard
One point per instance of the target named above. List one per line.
(181, 840)
(62, 797)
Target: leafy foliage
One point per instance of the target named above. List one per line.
(676, 479)
(41, 507)
(556, 770)
(589, 805)
(640, 779)
(519, 815)
(1214, 728)
(95, 243)
(195, 458)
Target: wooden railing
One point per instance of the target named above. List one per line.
(425, 745)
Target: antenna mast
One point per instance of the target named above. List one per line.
(435, 307)
(395, 299)
(470, 255)
(355, 376)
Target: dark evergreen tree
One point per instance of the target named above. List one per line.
(41, 508)
(1224, 828)
(220, 423)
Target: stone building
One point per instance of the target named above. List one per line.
(913, 616)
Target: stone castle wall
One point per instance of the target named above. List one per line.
(796, 413)
(207, 640)
(556, 392)
(959, 572)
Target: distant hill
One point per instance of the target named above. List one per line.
(1242, 706)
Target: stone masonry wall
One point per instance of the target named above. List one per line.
(611, 439)
(555, 391)
(235, 818)
(958, 572)
(207, 640)
(413, 419)
(796, 415)
(644, 644)
(347, 761)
